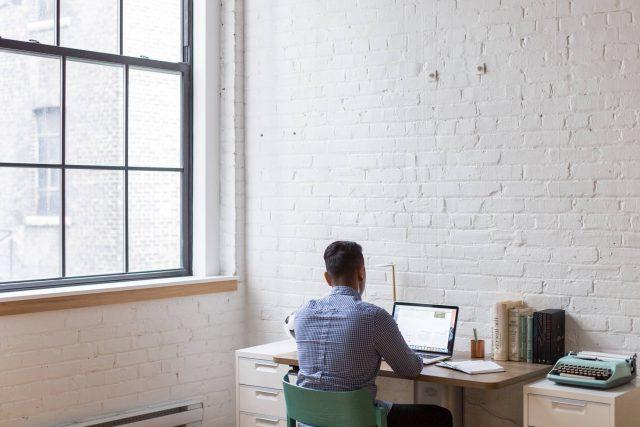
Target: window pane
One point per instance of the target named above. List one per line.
(28, 19)
(154, 221)
(95, 222)
(29, 223)
(154, 118)
(30, 123)
(153, 28)
(90, 25)
(94, 122)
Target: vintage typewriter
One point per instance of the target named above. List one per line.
(595, 370)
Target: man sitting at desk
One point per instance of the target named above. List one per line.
(342, 339)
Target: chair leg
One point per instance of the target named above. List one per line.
(291, 422)
(381, 417)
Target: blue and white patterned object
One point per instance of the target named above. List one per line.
(342, 339)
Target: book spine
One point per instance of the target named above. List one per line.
(500, 332)
(495, 330)
(562, 335)
(522, 335)
(514, 336)
(543, 338)
(547, 338)
(557, 336)
(537, 337)
(530, 339)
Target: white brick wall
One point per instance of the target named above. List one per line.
(64, 366)
(520, 182)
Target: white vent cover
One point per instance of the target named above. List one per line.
(170, 415)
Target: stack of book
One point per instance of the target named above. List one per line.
(523, 335)
(548, 336)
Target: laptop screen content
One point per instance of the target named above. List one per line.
(427, 328)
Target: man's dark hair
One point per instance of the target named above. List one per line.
(343, 258)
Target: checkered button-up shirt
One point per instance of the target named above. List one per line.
(342, 339)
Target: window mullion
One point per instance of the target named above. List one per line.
(187, 159)
(57, 22)
(126, 167)
(185, 30)
(63, 178)
(187, 190)
(121, 27)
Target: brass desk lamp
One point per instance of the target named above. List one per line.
(393, 277)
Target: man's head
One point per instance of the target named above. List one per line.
(345, 265)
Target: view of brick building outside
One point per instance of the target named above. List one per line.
(30, 132)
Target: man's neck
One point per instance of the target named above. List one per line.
(346, 290)
(346, 285)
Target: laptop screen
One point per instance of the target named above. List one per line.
(430, 328)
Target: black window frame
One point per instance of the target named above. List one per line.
(183, 67)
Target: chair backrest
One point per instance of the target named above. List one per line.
(332, 408)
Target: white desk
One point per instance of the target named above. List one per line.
(260, 401)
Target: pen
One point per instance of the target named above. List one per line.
(475, 334)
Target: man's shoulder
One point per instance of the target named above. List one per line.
(370, 308)
(325, 303)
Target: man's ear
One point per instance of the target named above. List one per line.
(327, 278)
(361, 273)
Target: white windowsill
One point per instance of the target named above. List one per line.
(65, 291)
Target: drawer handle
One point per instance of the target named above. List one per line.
(269, 395)
(266, 366)
(270, 421)
(569, 405)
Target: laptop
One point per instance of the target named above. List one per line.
(428, 329)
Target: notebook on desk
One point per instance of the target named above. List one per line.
(473, 367)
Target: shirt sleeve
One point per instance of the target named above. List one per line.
(390, 344)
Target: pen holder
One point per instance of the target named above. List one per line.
(477, 349)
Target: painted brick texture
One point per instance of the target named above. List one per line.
(521, 182)
(67, 366)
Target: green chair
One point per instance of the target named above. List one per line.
(331, 408)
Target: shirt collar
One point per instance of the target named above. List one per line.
(345, 290)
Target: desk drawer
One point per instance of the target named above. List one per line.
(250, 420)
(261, 373)
(262, 401)
(549, 411)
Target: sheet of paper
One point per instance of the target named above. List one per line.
(604, 356)
(473, 366)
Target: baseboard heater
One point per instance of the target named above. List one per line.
(170, 415)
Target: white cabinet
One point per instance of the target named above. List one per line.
(547, 404)
(259, 395)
